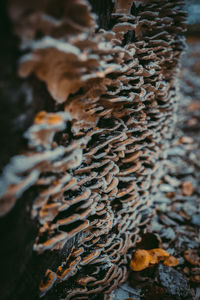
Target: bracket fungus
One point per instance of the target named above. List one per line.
(91, 164)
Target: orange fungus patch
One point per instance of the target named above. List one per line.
(140, 260)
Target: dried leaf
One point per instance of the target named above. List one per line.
(194, 106)
(185, 140)
(192, 122)
(192, 257)
(195, 271)
(186, 270)
(195, 278)
(170, 195)
(187, 188)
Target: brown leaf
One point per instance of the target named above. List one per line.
(192, 257)
(170, 195)
(195, 278)
(194, 106)
(186, 270)
(185, 140)
(187, 188)
(192, 122)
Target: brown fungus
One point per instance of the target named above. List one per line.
(93, 159)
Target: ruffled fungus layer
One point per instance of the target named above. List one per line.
(95, 160)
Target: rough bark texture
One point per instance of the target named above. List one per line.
(89, 105)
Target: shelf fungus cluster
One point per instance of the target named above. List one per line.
(94, 161)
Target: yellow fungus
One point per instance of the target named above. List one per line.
(140, 260)
(157, 255)
(170, 261)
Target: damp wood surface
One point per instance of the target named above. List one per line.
(92, 104)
